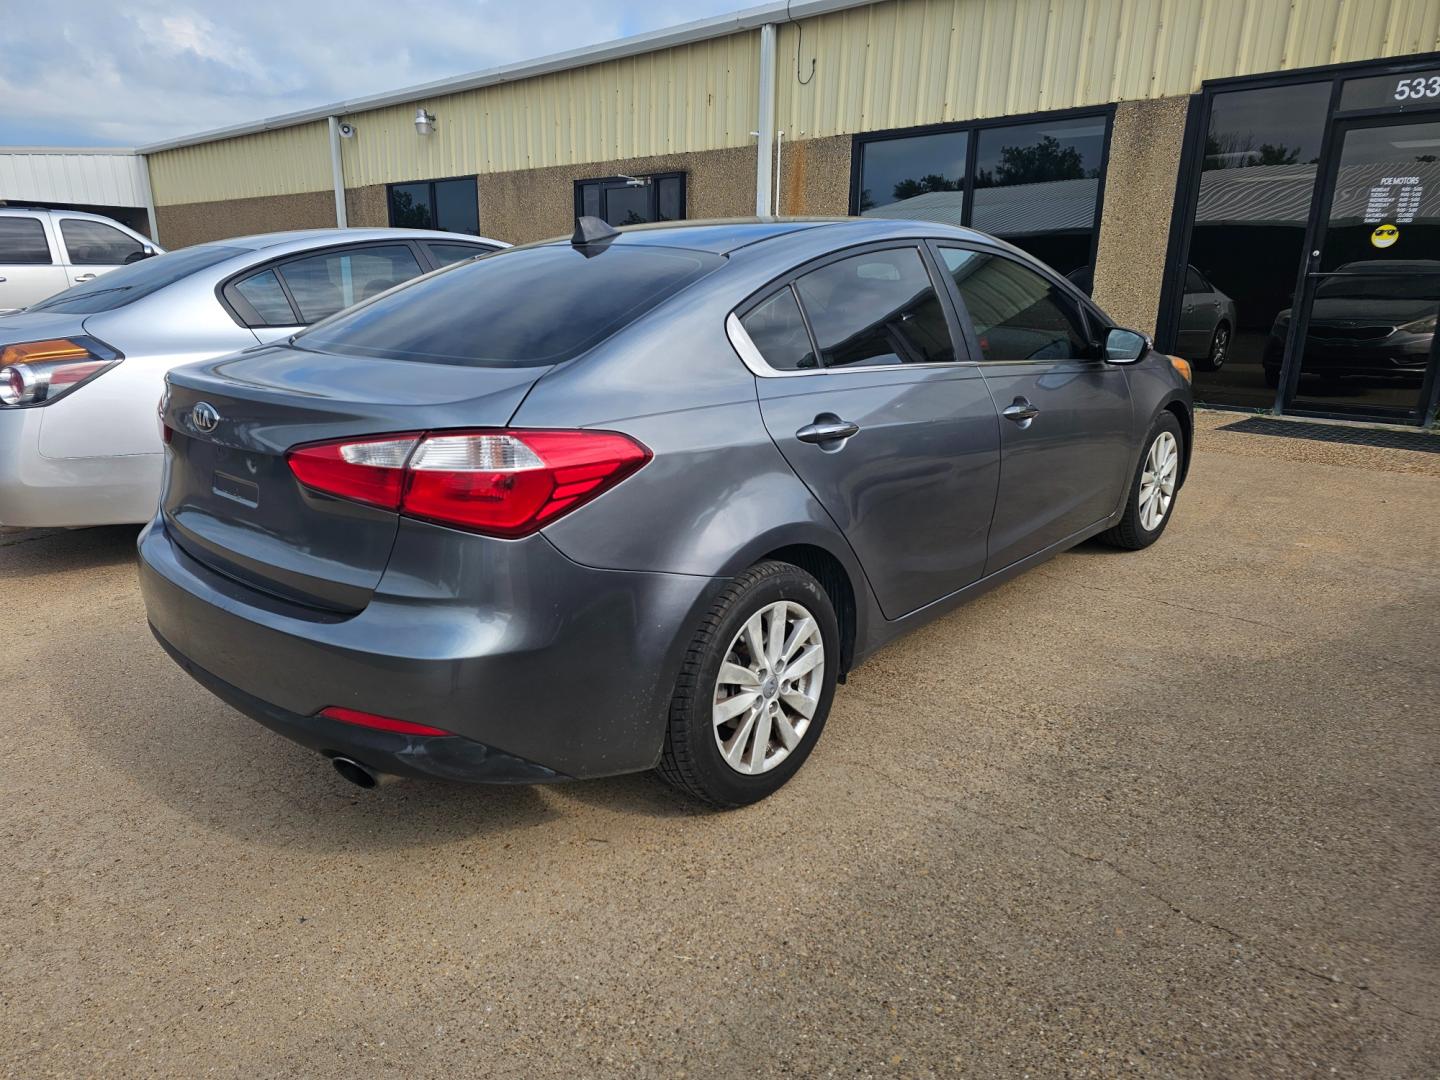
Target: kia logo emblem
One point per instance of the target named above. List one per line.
(204, 418)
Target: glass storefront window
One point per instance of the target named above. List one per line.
(1035, 184)
(1257, 183)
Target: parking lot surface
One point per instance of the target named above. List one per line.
(1163, 813)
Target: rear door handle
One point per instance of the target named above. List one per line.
(1020, 411)
(84, 277)
(826, 430)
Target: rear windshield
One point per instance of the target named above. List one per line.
(127, 284)
(515, 308)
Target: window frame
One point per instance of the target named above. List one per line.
(972, 150)
(1092, 319)
(244, 314)
(430, 186)
(754, 360)
(654, 193)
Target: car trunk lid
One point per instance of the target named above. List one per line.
(230, 498)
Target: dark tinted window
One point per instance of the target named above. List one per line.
(1017, 314)
(1036, 184)
(324, 284)
(537, 306)
(23, 243)
(1256, 185)
(876, 308)
(1194, 283)
(622, 201)
(91, 243)
(263, 293)
(449, 205)
(778, 331)
(136, 281)
(445, 254)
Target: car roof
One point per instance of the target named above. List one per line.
(722, 236)
(308, 237)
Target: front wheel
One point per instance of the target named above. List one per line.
(1219, 349)
(754, 689)
(1154, 488)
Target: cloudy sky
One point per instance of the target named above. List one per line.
(97, 73)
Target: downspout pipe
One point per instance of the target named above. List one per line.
(765, 129)
(337, 173)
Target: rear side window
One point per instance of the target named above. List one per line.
(534, 306)
(23, 243)
(777, 329)
(1194, 283)
(876, 308)
(90, 243)
(324, 284)
(1017, 314)
(136, 281)
(264, 294)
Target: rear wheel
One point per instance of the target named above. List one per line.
(1219, 349)
(755, 687)
(1154, 488)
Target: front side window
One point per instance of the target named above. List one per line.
(91, 243)
(532, 306)
(447, 205)
(876, 308)
(1035, 184)
(23, 243)
(324, 284)
(632, 200)
(1017, 314)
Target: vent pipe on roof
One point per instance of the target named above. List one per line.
(765, 135)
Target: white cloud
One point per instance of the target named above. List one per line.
(83, 73)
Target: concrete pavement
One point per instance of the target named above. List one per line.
(1162, 813)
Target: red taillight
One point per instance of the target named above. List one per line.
(501, 483)
(380, 723)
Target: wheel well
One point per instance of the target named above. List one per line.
(1182, 417)
(828, 570)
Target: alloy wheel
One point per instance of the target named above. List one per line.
(1157, 480)
(769, 687)
(1218, 348)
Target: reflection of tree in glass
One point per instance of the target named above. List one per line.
(632, 218)
(405, 213)
(909, 188)
(1037, 163)
(1237, 150)
(867, 201)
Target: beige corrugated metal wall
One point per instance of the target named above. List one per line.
(893, 64)
(911, 62)
(696, 97)
(284, 162)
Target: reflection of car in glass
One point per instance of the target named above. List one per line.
(1369, 320)
(1207, 318)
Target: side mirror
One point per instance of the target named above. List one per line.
(1126, 346)
(139, 256)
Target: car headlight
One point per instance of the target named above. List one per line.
(1419, 326)
(39, 372)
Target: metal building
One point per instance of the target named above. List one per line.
(98, 180)
(1252, 180)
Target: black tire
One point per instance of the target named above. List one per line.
(1219, 344)
(1131, 533)
(692, 761)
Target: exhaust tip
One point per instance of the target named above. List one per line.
(352, 770)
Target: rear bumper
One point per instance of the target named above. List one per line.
(41, 492)
(545, 669)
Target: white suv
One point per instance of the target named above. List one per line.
(45, 251)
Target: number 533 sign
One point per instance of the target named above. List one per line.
(1411, 90)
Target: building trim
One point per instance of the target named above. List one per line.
(718, 26)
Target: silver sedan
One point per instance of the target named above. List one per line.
(81, 372)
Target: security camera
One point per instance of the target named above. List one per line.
(347, 131)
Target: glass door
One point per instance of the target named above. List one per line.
(1372, 290)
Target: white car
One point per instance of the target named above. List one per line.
(44, 251)
(81, 373)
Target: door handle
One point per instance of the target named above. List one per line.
(2, 280)
(827, 429)
(1020, 411)
(84, 277)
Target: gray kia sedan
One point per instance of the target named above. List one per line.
(639, 500)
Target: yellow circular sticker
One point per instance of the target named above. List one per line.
(1384, 235)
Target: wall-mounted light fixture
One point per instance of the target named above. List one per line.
(635, 181)
(424, 121)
